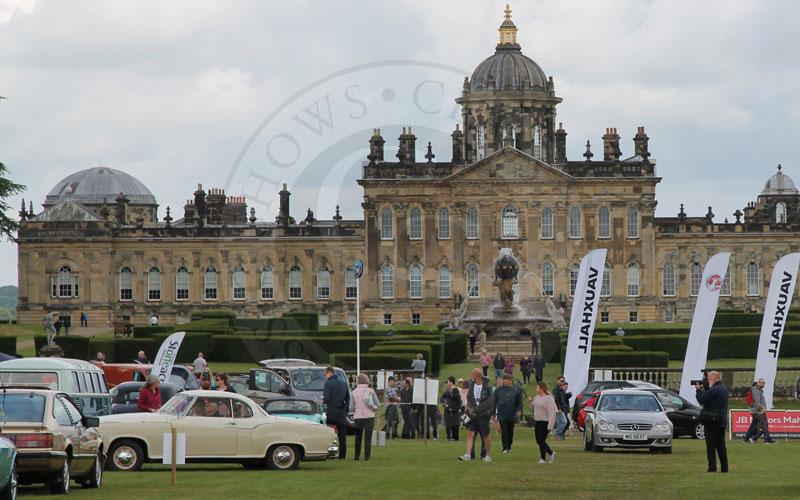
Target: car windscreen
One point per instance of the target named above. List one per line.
(22, 407)
(301, 407)
(176, 405)
(37, 379)
(628, 402)
(308, 379)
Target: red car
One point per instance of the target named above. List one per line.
(589, 403)
(117, 373)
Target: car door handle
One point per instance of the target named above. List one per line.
(230, 423)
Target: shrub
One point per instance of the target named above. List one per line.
(219, 314)
(212, 325)
(456, 346)
(74, 347)
(106, 346)
(435, 344)
(433, 364)
(8, 345)
(675, 345)
(304, 320)
(193, 342)
(720, 345)
(551, 345)
(617, 348)
(140, 332)
(370, 361)
(250, 348)
(125, 350)
(737, 319)
(624, 359)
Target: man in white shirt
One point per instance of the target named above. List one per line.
(479, 410)
(419, 364)
(200, 363)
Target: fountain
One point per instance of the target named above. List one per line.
(507, 317)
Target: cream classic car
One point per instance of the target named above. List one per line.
(219, 427)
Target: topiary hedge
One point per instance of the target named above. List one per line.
(456, 346)
(149, 331)
(371, 361)
(625, 359)
(74, 347)
(433, 363)
(720, 345)
(596, 348)
(126, 350)
(8, 345)
(218, 314)
(722, 320)
(193, 342)
(106, 346)
(315, 348)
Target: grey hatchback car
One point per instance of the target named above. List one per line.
(627, 418)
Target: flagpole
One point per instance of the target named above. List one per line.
(358, 328)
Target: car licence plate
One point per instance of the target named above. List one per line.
(635, 437)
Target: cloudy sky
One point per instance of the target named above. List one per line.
(249, 95)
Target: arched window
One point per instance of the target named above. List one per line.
(182, 284)
(415, 224)
(387, 282)
(605, 289)
(387, 232)
(548, 280)
(238, 281)
(573, 277)
(125, 284)
(604, 223)
(295, 283)
(633, 222)
(725, 289)
(472, 223)
(633, 280)
(444, 223)
(415, 281)
(65, 285)
(780, 213)
(537, 142)
(668, 280)
(323, 284)
(695, 277)
(575, 222)
(154, 284)
(445, 280)
(267, 284)
(480, 143)
(753, 280)
(510, 223)
(473, 281)
(350, 283)
(210, 284)
(547, 223)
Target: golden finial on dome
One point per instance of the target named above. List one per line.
(508, 31)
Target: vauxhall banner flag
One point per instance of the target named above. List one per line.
(167, 353)
(702, 321)
(779, 298)
(582, 320)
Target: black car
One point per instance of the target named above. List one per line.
(604, 385)
(685, 416)
(125, 396)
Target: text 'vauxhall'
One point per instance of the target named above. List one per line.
(588, 310)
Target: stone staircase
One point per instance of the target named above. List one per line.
(514, 347)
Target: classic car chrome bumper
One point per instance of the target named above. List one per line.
(333, 452)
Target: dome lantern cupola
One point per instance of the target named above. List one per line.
(508, 31)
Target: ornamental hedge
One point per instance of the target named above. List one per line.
(74, 347)
(623, 359)
(193, 342)
(8, 345)
(721, 345)
(433, 363)
(372, 361)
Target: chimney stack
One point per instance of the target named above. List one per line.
(611, 151)
(283, 210)
(376, 143)
(561, 144)
(640, 143)
(406, 153)
(458, 144)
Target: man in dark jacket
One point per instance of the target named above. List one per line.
(715, 419)
(480, 405)
(562, 396)
(336, 399)
(406, 397)
(507, 409)
(538, 367)
(499, 366)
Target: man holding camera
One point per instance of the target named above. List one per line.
(713, 395)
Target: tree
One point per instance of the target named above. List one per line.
(8, 188)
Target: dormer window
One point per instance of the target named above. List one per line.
(780, 213)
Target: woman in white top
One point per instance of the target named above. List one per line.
(544, 419)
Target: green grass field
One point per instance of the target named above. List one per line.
(412, 469)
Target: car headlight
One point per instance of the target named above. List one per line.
(606, 426)
(663, 427)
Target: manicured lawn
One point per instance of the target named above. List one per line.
(411, 469)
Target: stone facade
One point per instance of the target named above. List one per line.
(430, 232)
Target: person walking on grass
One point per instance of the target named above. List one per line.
(538, 367)
(758, 412)
(544, 420)
(714, 398)
(526, 368)
(509, 368)
(473, 339)
(451, 401)
(364, 417)
(507, 410)
(486, 360)
(392, 397)
(480, 404)
(562, 395)
(336, 399)
(499, 364)
(406, 397)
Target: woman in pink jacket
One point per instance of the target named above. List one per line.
(486, 360)
(366, 402)
(544, 419)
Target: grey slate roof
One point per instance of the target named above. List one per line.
(98, 184)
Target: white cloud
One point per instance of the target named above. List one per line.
(9, 8)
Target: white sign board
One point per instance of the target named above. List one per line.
(383, 377)
(419, 391)
(181, 449)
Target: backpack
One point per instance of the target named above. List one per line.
(749, 398)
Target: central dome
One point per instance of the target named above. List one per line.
(100, 185)
(779, 184)
(508, 68)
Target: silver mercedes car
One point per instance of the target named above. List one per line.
(627, 418)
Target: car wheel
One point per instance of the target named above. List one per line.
(60, 484)
(667, 450)
(699, 431)
(126, 456)
(587, 445)
(95, 478)
(283, 457)
(10, 491)
(597, 449)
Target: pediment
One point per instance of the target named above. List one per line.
(67, 210)
(509, 164)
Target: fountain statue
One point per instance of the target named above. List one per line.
(506, 269)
